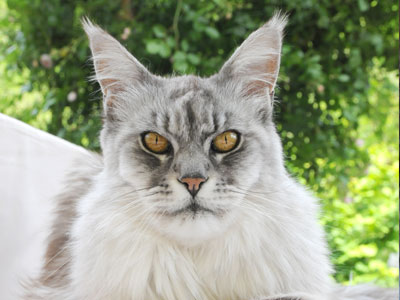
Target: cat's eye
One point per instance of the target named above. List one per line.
(226, 141)
(155, 142)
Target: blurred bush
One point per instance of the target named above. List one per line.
(337, 90)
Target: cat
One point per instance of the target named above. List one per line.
(190, 198)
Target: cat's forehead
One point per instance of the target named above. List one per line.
(191, 108)
(188, 88)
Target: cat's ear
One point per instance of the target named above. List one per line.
(255, 64)
(116, 69)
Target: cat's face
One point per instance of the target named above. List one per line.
(190, 148)
(190, 118)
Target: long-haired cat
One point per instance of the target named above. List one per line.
(190, 198)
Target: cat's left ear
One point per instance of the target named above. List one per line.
(116, 69)
(255, 64)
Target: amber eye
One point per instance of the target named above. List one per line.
(226, 141)
(155, 143)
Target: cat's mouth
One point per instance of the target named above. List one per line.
(193, 209)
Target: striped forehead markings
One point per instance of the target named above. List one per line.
(187, 121)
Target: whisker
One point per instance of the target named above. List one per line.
(256, 210)
(265, 192)
(54, 256)
(55, 271)
(131, 192)
(262, 198)
(275, 219)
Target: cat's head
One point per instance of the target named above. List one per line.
(191, 148)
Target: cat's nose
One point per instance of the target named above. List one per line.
(193, 184)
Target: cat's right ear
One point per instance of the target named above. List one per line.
(116, 69)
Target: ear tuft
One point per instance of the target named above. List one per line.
(89, 27)
(278, 21)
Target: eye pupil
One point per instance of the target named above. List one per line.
(155, 142)
(226, 141)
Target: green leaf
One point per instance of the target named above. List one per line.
(165, 50)
(212, 32)
(159, 31)
(185, 45)
(343, 77)
(193, 58)
(153, 46)
(179, 56)
(159, 47)
(363, 5)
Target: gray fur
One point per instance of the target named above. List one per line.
(55, 270)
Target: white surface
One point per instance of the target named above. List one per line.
(32, 166)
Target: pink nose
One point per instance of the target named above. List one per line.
(192, 184)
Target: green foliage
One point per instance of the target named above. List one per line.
(337, 92)
(363, 228)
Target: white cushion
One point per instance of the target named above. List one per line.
(32, 166)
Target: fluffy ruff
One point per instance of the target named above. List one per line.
(258, 258)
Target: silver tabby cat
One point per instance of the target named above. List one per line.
(190, 199)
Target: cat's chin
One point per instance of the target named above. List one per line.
(192, 228)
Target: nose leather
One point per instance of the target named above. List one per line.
(192, 184)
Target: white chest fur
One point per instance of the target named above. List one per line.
(279, 251)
